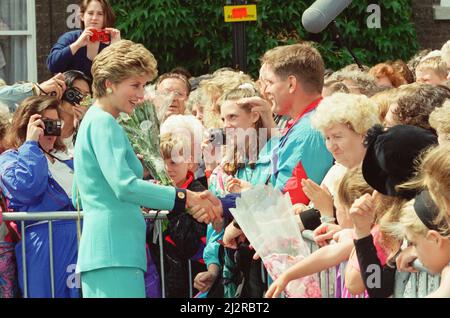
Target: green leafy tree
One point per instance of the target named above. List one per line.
(193, 34)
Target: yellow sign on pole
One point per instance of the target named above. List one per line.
(240, 13)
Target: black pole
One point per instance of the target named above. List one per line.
(338, 36)
(239, 43)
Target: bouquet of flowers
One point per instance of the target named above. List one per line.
(142, 128)
(87, 101)
(267, 219)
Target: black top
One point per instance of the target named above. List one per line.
(379, 280)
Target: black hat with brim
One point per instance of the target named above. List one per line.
(391, 155)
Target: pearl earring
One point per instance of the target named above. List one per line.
(109, 90)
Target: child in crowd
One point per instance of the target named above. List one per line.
(429, 234)
(432, 71)
(184, 238)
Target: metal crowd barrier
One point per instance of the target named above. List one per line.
(406, 284)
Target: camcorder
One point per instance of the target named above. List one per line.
(100, 36)
(217, 136)
(52, 127)
(73, 96)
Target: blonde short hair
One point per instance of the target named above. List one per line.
(120, 61)
(222, 82)
(186, 125)
(384, 100)
(357, 111)
(435, 64)
(408, 223)
(172, 142)
(301, 60)
(185, 128)
(435, 176)
(445, 51)
(440, 118)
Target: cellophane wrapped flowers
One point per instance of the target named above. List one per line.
(269, 223)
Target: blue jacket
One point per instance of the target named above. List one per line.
(26, 182)
(61, 58)
(258, 175)
(13, 95)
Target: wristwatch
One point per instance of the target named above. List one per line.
(327, 219)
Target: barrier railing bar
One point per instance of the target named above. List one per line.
(24, 258)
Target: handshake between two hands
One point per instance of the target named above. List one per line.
(206, 208)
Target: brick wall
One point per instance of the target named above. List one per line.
(51, 17)
(430, 33)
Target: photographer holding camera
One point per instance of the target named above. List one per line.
(75, 50)
(13, 95)
(34, 179)
(78, 89)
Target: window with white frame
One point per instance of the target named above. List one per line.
(17, 41)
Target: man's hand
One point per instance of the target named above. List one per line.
(263, 108)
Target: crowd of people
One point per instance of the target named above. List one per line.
(363, 153)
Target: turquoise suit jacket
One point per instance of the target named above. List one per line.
(108, 176)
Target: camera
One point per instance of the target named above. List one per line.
(52, 127)
(73, 96)
(217, 136)
(100, 36)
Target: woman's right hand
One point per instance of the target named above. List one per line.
(82, 40)
(35, 128)
(277, 286)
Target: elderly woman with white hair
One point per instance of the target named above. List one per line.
(343, 119)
